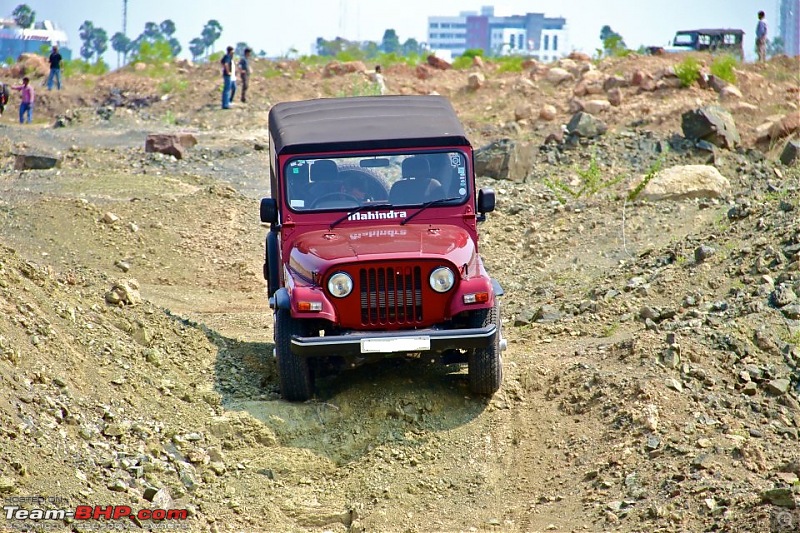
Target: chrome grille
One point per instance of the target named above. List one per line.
(391, 295)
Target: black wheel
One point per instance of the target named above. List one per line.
(294, 372)
(485, 364)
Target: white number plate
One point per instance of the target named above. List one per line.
(396, 344)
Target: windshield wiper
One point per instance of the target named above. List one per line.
(425, 206)
(356, 210)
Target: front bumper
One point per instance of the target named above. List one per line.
(350, 344)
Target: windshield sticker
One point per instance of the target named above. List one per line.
(378, 215)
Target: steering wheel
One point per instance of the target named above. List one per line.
(335, 195)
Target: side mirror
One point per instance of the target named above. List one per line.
(269, 211)
(485, 200)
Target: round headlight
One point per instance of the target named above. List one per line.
(340, 284)
(442, 279)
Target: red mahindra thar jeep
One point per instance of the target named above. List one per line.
(372, 248)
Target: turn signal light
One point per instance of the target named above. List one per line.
(476, 298)
(309, 306)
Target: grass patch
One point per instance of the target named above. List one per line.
(688, 71)
(173, 85)
(723, 67)
(591, 182)
(360, 88)
(510, 64)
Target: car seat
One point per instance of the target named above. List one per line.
(417, 186)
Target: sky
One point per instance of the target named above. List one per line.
(280, 26)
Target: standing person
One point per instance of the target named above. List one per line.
(380, 83)
(761, 37)
(227, 80)
(26, 106)
(244, 71)
(55, 69)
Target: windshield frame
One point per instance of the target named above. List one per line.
(459, 179)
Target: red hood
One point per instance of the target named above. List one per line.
(319, 250)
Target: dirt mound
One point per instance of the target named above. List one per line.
(651, 379)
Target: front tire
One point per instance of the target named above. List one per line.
(294, 372)
(485, 364)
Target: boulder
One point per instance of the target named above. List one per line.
(640, 77)
(583, 124)
(685, 182)
(504, 159)
(424, 72)
(579, 56)
(558, 75)
(174, 144)
(523, 112)
(595, 107)
(791, 153)
(614, 82)
(438, 63)
(711, 123)
(475, 81)
(336, 68)
(615, 96)
(786, 126)
(35, 162)
(730, 92)
(477, 62)
(547, 112)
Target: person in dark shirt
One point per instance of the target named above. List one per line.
(227, 78)
(244, 71)
(55, 69)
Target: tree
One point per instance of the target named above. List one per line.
(776, 47)
(24, 16)
(239, 48)
(390, 43)
(211, 33)
(87, 34)
(411, 47)
(167, 28)
(197, 47)
(175, 46)
(99, 42)
(152, 32)
(121, 44)
(613, 43)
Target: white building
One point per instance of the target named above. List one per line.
(531, 35)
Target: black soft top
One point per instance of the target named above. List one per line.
(364, 123)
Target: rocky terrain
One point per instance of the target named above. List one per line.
(652, 311)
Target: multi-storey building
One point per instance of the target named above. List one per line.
(42, 35)
(790, 26)
(532, 34)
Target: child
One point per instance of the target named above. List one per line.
(26, 106)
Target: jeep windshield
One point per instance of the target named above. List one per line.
(354, 183)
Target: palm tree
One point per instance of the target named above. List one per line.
(167, 28)
(121, 44)
(87, 32)
(99, 42)
(197, 47)
(211, 33)
(24, 16)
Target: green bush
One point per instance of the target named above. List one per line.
(723, 67)
(79, 66)
(688, 71)
(510, 63)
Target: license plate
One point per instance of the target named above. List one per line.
(396, 344)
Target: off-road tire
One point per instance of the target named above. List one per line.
(294, 372)
(485, 364)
